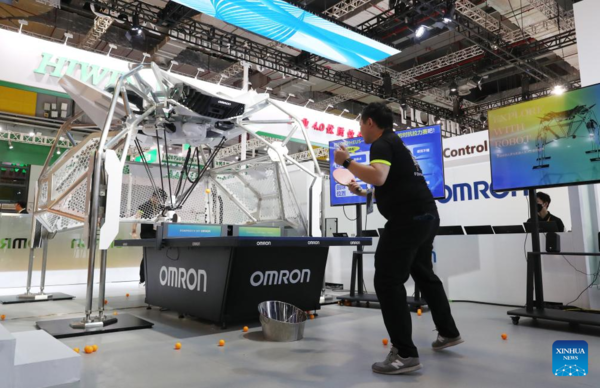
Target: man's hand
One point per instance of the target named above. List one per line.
(354, 187)
(340, 155)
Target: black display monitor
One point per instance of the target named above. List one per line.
(479, 229)
(450, 230)
(544, 227)
(508, 229)
(342, 234)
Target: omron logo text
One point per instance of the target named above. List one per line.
(354, 242)
(314, 243)
(192, 279)
(474, 191)
(270, 278)
(224, 102)
(263, 243)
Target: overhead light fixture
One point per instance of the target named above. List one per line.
(308, 102)
(344, 111)
(420, 31)
(453, 88)
(223, 76)
(173, 63)
(200, 70)
(558, 90)
(145, 55)
(67, 37)
(31, 133)
(328, 106)
(136, 32)
(437, 120)
(10, 146)
(288, 97)
(22, 22)
(111, 47)
(358, 117)
(58, 152)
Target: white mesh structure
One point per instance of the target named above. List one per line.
(63, 195)
(254, 192)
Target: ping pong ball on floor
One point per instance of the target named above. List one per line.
(89, 349)
(105, 301)
(127, 295)
(384, 341)
(504, 336)
(178, 345)
(312, 316)
(245, 329)
(2, 317)
(207, 191)
(419, 312)
(222, 343)
(115, 313)
(76, 350)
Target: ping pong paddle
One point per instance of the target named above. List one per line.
(343, 176)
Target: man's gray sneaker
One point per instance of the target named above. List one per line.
(443, 343)
(396, 365)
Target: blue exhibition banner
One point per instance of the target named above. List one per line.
(424, 143)
(280, 21)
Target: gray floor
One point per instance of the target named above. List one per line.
(337, 351)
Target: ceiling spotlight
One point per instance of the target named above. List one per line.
(288, 97)
(200, 70)
(558, 90)
(111, 47)
(328, 106)
(453, 86)
(10, 146)
(437, 120)
(173, 63)
(136, 31)
(482, 118)
(58, 152)
(32, 133)
(395, 125)
(420, 31)
(145, 55)
(358, 117)
(268, 89)
(308, 102)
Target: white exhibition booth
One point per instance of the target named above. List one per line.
(484, 268)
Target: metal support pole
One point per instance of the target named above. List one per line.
(102, 285)
(30, 270)
(44, 262)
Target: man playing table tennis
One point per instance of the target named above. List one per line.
(405, 247)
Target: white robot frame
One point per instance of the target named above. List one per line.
(176, 113)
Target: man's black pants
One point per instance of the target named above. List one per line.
(404, 249)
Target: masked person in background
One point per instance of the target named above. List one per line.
(543, 203)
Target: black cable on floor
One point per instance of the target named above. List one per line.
(485, 303)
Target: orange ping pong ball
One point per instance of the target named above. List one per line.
(2, 317)
(178, 345)
(419, 312)
(207, 191)
(76, 350)
(95, 347)
(312, 316)
(127, 295)
(384, 341)
(222, 343)
(105, 301)
(504, 336)
(245, 329)
(89, 349)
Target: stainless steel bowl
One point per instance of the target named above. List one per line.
(281, 322)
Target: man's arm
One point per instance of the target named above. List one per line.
(375, 174)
